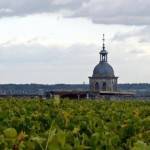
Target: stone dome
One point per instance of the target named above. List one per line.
(103, 69)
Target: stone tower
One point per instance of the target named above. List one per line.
(103, 78)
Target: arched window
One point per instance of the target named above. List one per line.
(104, 86)
(96, 86)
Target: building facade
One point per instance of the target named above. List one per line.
(103, 78)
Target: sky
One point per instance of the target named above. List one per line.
(58, 41)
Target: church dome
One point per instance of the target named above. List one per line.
(103, 69)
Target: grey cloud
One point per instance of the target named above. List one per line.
(40, 64)
(56, 64)
(129, 12)
(27, 54)
(123, 36)
(142, 35)
(27, 7)
(126, 12)
(24, 7)
(35, 53)
(136, 52)
(5, 10)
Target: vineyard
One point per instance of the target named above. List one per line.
(74, 125)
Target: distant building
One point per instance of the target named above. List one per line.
(103, 78)
(103, 83)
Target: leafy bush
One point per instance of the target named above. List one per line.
(74, 125)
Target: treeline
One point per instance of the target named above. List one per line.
(137, 86)
(36, 88)
(141, 89)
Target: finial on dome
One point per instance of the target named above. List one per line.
(103, 52)
(103, 41)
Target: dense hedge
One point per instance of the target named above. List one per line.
(74, 125)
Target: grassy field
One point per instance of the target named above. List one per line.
(74, 125)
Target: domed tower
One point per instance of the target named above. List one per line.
(103, 78)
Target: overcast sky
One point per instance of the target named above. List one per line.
(58, 41)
